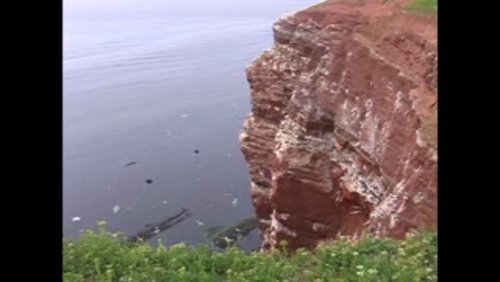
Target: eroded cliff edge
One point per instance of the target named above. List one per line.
(342, 138)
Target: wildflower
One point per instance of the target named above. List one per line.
(359, 267)
(355, 253)
(178, 246)
(372, 271)
(360, 273)
(428, 269)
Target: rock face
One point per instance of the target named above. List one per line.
(342, 138)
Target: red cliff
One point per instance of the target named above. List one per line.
(342, 138)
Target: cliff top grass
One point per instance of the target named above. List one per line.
(413, 5)
(423, 6)
(102, 256)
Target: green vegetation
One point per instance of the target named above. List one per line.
(102, 256)
(423, 6)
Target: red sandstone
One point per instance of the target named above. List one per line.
(342, 139)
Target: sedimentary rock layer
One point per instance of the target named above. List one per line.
(342, 138)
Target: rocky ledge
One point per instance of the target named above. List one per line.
(342, 138)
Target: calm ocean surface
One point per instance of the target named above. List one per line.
(150, 82)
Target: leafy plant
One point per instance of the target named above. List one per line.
(103, 256)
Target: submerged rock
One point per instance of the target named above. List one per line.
(152, 229)
(226, 237)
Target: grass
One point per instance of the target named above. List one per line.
(423, 6)
(102, 256)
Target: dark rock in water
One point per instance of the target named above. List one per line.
(196, 151)
(229, 236)
(152, 229)
(149, 181)
(212, 231)
(130, 164)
